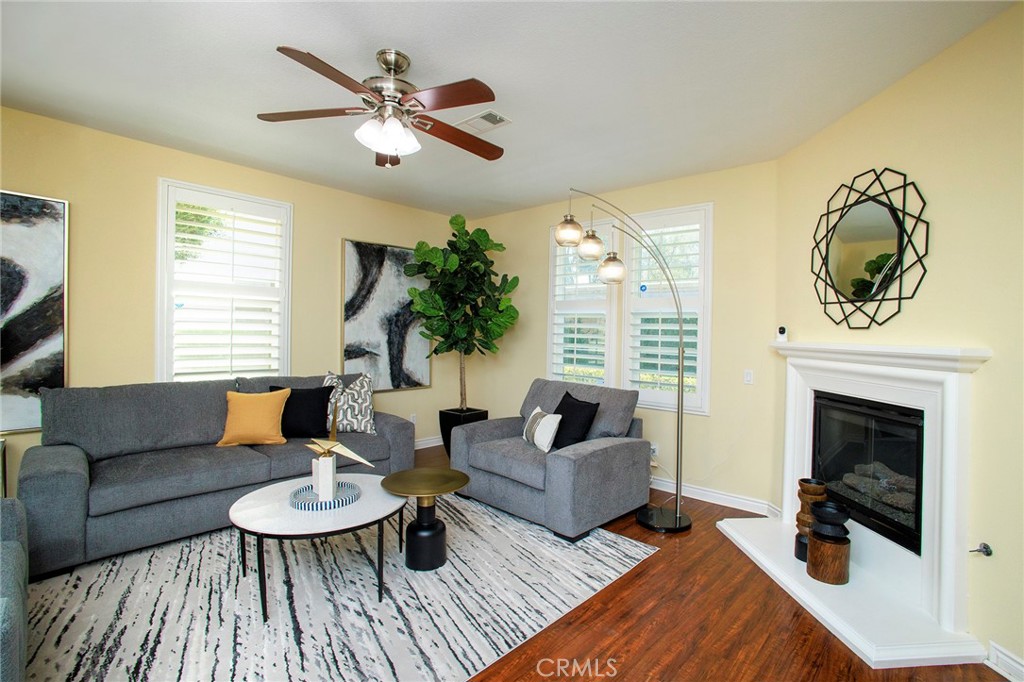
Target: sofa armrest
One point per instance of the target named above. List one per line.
(467, 435)
(595, 481)
(401, 436)
(53, 484)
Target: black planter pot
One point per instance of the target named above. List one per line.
(453, 417)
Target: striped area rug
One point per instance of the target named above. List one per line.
(183, 611)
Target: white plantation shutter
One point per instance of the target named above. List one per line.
(579, 318)
(225, 275)
(585, 313)
(652, 349)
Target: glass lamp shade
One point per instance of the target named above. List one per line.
(590, 247)
(568, 232)
(391, 137)
(612, 270)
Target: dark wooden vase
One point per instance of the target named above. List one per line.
(828, 548)
(811, 490)
(453, 417)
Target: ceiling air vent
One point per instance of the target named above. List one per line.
(483, 122)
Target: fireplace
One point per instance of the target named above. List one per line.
(870, 455)
(901, 607)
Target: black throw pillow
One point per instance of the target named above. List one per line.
(304, 412)
(577, 416)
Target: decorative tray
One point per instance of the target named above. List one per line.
(304, 499)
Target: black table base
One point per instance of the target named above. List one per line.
(427, 548)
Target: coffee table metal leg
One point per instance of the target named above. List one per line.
(401, 528)
(241, 548)
(261, 568)
(380, 560)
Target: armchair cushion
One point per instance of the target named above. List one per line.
(512, 458)
(541, 429)
(577, 417)
(614, 414)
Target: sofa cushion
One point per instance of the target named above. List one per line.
(577, 417)
(613, 416)
(294, 458)
(117, 420)
(512, 458)
(146, 477)
(263, 384)
(304, 412)
(254, 418)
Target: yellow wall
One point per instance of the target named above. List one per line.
(955, 127)
(111, 185)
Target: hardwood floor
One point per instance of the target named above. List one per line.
(698, 609)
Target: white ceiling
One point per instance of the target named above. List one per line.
(600, 95)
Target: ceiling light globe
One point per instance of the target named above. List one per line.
(370, 135)
(590, 247)
(409, 144)
(612, 270)
(568, 232)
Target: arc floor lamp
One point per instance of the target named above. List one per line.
(613, 271)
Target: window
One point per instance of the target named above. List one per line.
(223, 283)
(588, 317)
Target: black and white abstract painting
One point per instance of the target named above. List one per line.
(381, 333)
(32, 305)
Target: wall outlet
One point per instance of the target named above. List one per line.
(412, 417)
(748, 376)
(654, 450)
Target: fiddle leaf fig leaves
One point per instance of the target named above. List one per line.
(466, 306)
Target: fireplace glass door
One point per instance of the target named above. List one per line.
(870, 456)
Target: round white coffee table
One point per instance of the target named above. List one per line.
(267, 513)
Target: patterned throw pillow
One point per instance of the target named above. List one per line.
(354, 403)
(540, 429)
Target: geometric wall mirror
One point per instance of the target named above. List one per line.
(869, 248)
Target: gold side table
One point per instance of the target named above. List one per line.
(425, 537)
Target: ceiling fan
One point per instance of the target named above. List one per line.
(395, 107)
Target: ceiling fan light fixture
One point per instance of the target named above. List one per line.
(371, 135)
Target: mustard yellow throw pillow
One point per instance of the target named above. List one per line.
(254, 418)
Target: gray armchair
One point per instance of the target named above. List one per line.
(570, 490)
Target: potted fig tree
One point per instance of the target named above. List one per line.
(465, 308)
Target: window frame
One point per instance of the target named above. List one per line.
(169, 192)
(620, 303)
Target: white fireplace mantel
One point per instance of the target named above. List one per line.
(899, 609)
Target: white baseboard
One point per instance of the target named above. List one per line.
(749, 504)
(428, 442)
(1005, 663)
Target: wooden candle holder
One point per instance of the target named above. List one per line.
(811, 490)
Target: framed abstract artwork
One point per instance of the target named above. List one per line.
(381, 333)
(33, 305)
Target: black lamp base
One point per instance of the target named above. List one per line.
(663, 520)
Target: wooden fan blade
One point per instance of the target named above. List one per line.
(459, 138)
(312, 113)
(387, 161)
(463, 93)
(328, 71)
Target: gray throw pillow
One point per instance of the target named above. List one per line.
(354, 404)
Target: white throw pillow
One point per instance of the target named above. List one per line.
(541, 428)
(354, 403)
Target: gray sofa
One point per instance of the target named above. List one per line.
(125, 467)
(571, 490)
(13, 590)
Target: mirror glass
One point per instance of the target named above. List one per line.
(864, 251)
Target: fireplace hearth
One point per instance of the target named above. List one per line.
(870, 455)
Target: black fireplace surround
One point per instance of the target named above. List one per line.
(870, 455)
